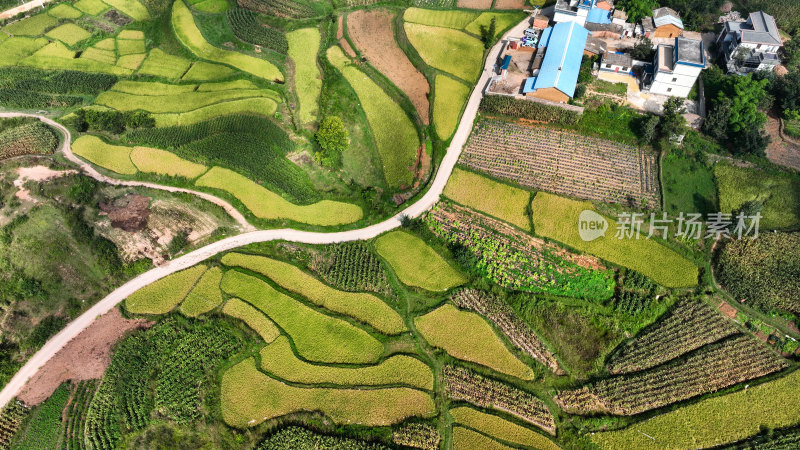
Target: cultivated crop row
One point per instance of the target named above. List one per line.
(562, 162)
(76, 414)
(516, 260)
(245, 26)
(709, 369)
(417, 435)
(298, 437)
(690, 325)
(462, 384)
(33, 138)
(351, 267)
(499, 313)
(23, 87)
(10, 420)
(280, 8)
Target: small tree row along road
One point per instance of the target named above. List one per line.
(427, 201)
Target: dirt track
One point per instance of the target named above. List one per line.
(371, 32)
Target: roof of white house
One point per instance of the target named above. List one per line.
(760, 28)
(667, 16)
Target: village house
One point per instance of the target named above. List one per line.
(750, 46)
(675, 68)
(564, 46)
(616, 62)
(582, 11)
(665, 23)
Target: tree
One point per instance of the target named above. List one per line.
(788, 89)
(791, 51)
(716, 124)
(746, 95)
(643, 50)
(487, 34)
(333, 140)
(638, 9)
(673, 123)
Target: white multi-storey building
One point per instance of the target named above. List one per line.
(676, 67)
(750, 46)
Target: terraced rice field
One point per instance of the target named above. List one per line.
(189, 35)
(500, 200)
(395, 134)
(563, 162)
(31, 26)
(91, 7)
(69, 33)
(316, 336)
(457, 19)
(303, 49)
(249, 397)
(160, 64)
(130, 8)
(450, 96)
(445, 328)
(268, 205)
(448, 50)
(415, 263)
(129, 160)
(254, 319)
(365, 308)
(556, 218)
(17, 48)
(205, 295)
(503, 20)
(372, 33)
(165, 294)
(206, 71)
(278, 359)
(64, 11)
(501, 429)
(55, 56)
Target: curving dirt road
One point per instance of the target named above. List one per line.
(90, 171)
(106, 304)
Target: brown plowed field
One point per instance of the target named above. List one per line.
(83, 358)
(342, 41)
(475, 4)
(371, 32)
(509, 4)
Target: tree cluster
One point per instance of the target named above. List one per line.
(112, 121)
(333, 140)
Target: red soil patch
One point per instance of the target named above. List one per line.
(129, 213)
(509, 4)
(372, 33)
(781, 150)
(342, 41)
(475, 4)
(727, 309)
(85, 357)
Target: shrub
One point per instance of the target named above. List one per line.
(332, 139)
(511, 107)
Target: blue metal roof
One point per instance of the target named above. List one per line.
(528, 86)
(598, 15)
(545, 37)
(562, 62)
(506, 62)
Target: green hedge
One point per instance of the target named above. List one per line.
(511, 107)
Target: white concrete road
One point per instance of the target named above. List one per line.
(427, 201)
(23, 8)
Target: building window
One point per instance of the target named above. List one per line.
(608, 66)
(674, 80)
(758, 47)
(669, 89)
(624, 68)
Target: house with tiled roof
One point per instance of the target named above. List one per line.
(667, 23)
(750, 46)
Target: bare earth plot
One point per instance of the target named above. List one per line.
(371, 32)
(563, 162)
(344, 43)
(509, 4)
(83, 358)
(781, 151)
(475, 4)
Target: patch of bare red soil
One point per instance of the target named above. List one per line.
(726, 309)
(509, 4)
(344, 43)
(372, 33)
(475, 4)
(128, 213)
(85, 357)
